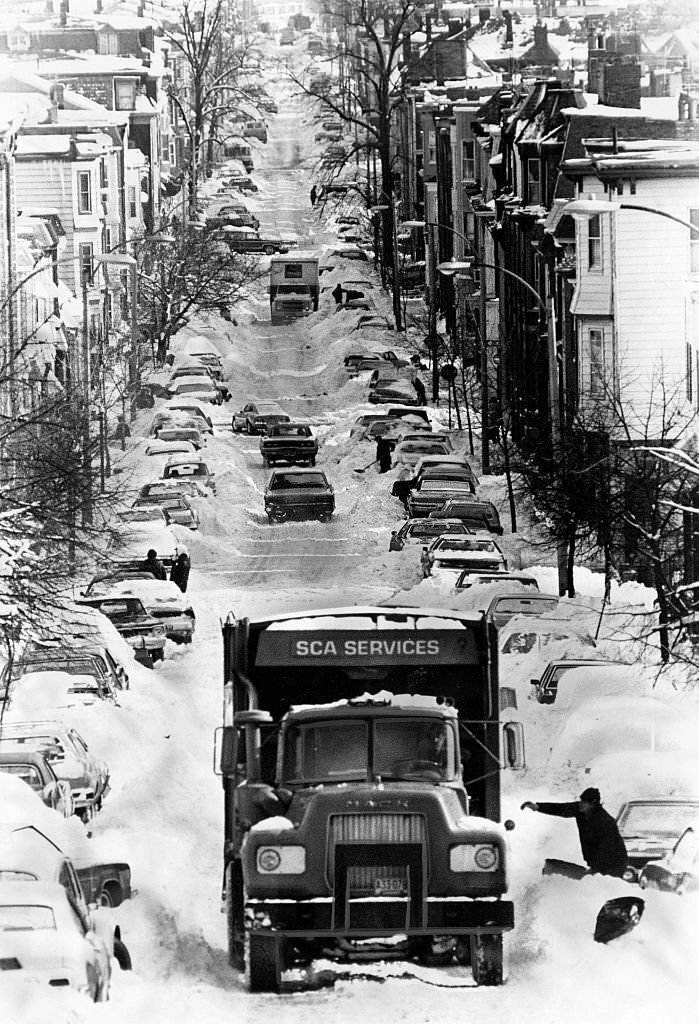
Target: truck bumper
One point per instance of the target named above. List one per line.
(375, 917)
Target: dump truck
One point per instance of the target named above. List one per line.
(361, 752)
(293, 286)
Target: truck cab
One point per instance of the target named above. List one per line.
(360, 753)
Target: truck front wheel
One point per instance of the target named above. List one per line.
(265, 961)
(486, 959)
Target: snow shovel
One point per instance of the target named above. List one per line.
(617, 917)
(363, 469)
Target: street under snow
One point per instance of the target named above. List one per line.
(164, 813)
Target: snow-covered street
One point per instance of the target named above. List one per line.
(164, 813)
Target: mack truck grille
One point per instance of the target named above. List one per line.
(377, 855)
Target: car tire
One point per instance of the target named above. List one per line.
(269, 250)
(325, 517)
(280, 516)
(122, 955)
(111, 895)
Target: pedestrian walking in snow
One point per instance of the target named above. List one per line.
(602, 847)
(420, 391)
(153, 565)
(179, 573)
(383, 454)
(314, 195)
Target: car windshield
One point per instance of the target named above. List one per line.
(28, 773)
(442, 485)
(50, 745)
(124, 608)
(465, 544)
(525, 606)
(23, 918)
(338, 751)
(434, 529)
(142, 515)
(310, 480)
(187, 469)
(191, 389)
(649, 819)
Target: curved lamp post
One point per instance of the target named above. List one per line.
(432, 337)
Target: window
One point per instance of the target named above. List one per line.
(594, 243)
(133, 208)
(689, 355)
(468, 160)
(84, 192)
(85, 262)
(107, 42)
(533, 182)
(596, 346)
(125, 93)
(432, 147)
(694, 242)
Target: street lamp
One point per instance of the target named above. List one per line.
(432, 336)
(591, 206)
(547, 307)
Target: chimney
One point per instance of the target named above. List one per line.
(428, 27)
(63, 13)
(454, 28)
(540, 36)
(98, 7)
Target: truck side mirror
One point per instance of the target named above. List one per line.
(513, 745)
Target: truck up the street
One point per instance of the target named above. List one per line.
(293, 286)
(360, 754)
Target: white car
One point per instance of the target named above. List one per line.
(201, 387)
(409, 453)
(165, 601)
(50, 940)
(453, 554)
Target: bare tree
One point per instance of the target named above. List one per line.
(215, 68)
(371, 42)
(195, 273)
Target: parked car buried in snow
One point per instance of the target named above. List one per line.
(650, 829)
(141, 631)
(678, 871)
(299, 493)
(67, 753)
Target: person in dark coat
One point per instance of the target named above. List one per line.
(602, 847)
(179, 573)
(420, 391)
(153, 565)
(314, 195)
(383, 454)
(403, 485)
(337, 294)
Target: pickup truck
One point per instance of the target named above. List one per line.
(289, 442)
(301, 493)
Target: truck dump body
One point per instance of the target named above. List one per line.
(361, 816)
(293, 286)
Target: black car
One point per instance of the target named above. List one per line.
(142, 631)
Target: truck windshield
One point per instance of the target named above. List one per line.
(338, 751)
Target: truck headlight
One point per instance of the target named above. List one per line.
(281, 860)
(472, 857)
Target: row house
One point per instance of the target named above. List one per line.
(122, 62)
(636, 298)
(74, 167)
(128, 86)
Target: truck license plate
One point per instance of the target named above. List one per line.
(390, 887)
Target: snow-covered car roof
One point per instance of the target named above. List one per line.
(611, 725)
(186, 460)
(159, 447)
(150, 591)
(580, 685)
